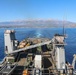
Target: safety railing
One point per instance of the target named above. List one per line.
(36, 71)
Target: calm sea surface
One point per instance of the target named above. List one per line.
(22, 33)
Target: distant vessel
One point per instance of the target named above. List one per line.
(35, 56)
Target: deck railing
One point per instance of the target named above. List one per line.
(35, 71)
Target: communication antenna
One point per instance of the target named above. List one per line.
(63, 27)
(64, 22)
(64, 32)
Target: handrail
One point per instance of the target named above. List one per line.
(12, 69)
(4, 70)
(2, 67)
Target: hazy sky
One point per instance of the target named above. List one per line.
(37, 9)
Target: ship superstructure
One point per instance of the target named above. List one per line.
(34, 56)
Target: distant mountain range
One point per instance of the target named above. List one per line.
(37, 24)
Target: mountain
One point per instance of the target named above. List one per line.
(37, 24)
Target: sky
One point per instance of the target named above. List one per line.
(11, 10)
